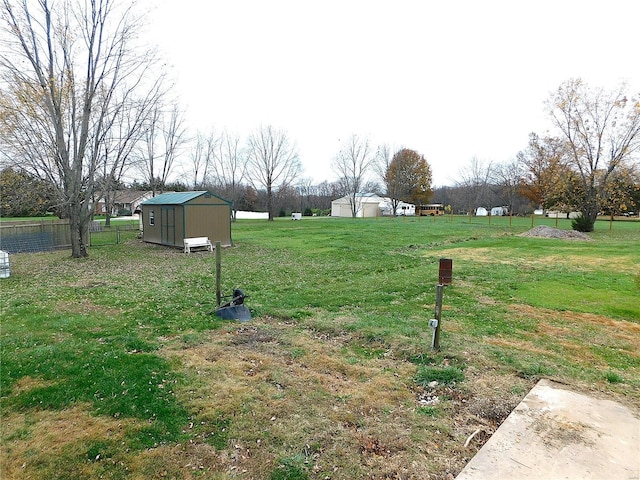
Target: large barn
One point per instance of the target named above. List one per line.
(171, 217)
(369, 205)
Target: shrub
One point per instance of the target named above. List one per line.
(613, 377)
(582, 224)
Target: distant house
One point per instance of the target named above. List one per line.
(499, 211)
(123, 202)
(369, 205)
(171, 217)
(557, 214)
(402, 208)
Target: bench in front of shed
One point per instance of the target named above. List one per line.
(197, 242)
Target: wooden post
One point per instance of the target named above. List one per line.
(532, 217)
(218, 272)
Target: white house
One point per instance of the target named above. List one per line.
(481, 212)
(402, 209)
(499, 211)
(369, 205)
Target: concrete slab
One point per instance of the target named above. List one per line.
(558, 434)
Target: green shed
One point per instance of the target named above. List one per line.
(171, 217)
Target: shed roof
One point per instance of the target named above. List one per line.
(178, 198)
(362, 198)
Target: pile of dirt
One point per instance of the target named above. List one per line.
(542, 231)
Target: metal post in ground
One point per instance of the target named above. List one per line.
(218, 273)
(435, 343)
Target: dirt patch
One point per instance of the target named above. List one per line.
(557, 434)
(252, 336)
(542, 231)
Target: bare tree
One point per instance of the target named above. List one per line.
(351, 164)
(125, 130)
(507, 182)
(306, 189)
(62, 67)
(383, 158)
(474, 183)
(165, 135)
(229, 169)
(203, 157)
(272, 161)
(602, 131)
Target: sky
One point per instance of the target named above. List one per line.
(452, 80)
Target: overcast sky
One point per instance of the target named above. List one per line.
(449, 79)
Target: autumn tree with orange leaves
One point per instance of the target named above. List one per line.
(408, 179)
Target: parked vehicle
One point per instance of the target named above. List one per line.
(431, 209)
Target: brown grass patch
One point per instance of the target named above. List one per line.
(295, 391)
(623, 264)
(33, 443)
(25, 384)
(523, 345)
(39, 438)
(87, 307)
(573, 323)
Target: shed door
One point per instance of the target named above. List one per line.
(168, 225)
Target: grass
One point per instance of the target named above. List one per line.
(114, 367)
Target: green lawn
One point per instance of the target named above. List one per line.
(114, 367)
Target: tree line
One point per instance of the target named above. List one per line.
(84, 104)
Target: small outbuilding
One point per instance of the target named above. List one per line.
(500, 211)
(171, 217)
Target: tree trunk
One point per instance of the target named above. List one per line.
(78, 224)
(107, 212)
(590, 212)
(270, 202)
